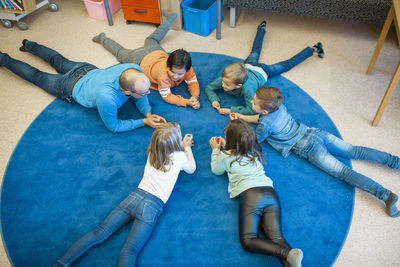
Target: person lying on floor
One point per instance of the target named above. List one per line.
(83, 83)
(164, 72)
(320, 148)
(240, 156)
(243, 79)
(168, 154)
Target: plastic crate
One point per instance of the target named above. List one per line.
(97, 10)
(200, 16)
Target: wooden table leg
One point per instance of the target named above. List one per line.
(387, 96)
(381, 39)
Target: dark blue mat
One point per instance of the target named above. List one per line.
(68, 172)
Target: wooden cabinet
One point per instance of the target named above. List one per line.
(141, 10)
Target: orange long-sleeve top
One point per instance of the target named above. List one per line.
(154, 65)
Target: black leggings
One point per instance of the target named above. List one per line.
(259, 208)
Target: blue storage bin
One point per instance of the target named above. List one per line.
(200, 16)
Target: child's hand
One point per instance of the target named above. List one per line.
(216, 105)
(224, 111)
(193, 102)
(234, 116)
(188, 140)
(216, 142)
(221, 141)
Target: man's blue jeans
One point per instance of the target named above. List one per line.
(320, 149)
(59, 85)
(277, 68)
(141, 207)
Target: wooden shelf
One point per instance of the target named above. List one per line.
(29, 5)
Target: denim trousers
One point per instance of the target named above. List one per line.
(277, 68)
(320, 148)
(140, 207)
(60, 85)
(151, 43)
(259, 209)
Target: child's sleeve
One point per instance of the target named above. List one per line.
(192, 83)
(164, 88)
(211, 88)
(262, 130)
(189, 165)
(218, 165)
(245, 110)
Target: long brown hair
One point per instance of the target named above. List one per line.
(164, 141)
(241, 141)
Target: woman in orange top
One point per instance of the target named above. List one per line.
(164, 72)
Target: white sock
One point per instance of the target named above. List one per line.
(294, 257)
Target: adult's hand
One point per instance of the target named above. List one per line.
(154, 121)
(159, 118)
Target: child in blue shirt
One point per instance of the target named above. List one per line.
(242, 80)
(282, 132)
(240, 156)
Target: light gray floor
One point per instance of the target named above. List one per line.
(338, 83)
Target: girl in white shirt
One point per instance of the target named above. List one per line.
(167, 156)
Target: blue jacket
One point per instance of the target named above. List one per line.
(280, 130)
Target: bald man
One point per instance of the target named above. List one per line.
(105, 89)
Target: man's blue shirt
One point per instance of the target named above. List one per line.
(100, 89)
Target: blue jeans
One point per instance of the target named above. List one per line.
(277, 68)
(320, 149)
(141, 207)
(59, 85)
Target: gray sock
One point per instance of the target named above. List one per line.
(294, 257)
(391, 205)
(99, 38)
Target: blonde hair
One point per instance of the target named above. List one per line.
(164, 141)
(236, 72)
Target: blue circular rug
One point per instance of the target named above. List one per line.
(68, 172)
